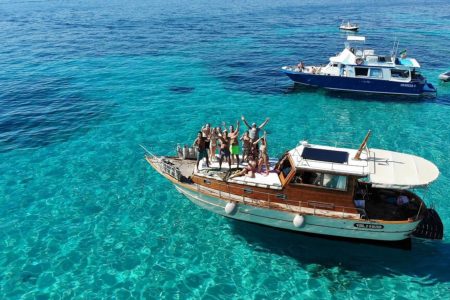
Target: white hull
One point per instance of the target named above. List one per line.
(314, 224)
(444, 77)
(349, 28)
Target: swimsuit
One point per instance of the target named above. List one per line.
(250, 169)
(202, 154)
(235, 149)
(224, 152)
(263, 153)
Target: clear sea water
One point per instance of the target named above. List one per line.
(83, 83)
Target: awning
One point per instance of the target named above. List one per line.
(388, 169)
(346, 57)
(356, 38)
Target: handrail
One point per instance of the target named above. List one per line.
(305, 163)
(300, 161)
(164, 167)
(328, 143)
(289, 204)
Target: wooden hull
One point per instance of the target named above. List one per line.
(270, 210)
(313, 224)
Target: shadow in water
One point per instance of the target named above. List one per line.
(46, 111)
(427, 262)
(181, 89)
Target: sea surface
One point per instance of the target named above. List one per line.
(84, 83)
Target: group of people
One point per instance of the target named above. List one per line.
(254, 147)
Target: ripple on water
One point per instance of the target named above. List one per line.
(82, 215)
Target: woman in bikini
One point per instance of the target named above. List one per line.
(263, 156)
(249, 170)
(214, 137)
(246, 146)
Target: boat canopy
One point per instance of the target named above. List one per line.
(409, 62)
(346, 57)
(398, 170)
(356, 38)
(382, 168)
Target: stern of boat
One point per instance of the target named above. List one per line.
(429, 89)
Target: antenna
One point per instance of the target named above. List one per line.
(395, 47)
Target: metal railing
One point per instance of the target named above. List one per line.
(266, 200)
(362, 169)
(164, 166)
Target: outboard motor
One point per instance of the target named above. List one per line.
(431, 226)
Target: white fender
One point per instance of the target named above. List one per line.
(298, 220)
(230, 208)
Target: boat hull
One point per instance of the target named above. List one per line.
(444, 77)
(312, 224)
(349, 28)
(364, 85)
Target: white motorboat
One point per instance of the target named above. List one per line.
(349, 26)
(445, 76)
(359, 69)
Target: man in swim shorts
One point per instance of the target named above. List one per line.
(200, 144)
(224, 149)
(253, 132)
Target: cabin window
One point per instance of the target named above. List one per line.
(334, 65)
(384, 59)
(361, 71)
(377, 73)
(330, 181)
(396, 73)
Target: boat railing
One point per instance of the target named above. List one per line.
(335, 144)
(335, 167)
(164, 165)
(247, 195)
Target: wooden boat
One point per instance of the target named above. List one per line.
(349, 26)
(339, 192)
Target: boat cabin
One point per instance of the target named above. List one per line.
(355, 61)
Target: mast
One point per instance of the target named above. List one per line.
(362, 146)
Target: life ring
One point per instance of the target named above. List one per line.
(359, 61)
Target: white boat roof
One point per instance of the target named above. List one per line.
(356, 38)
(399, 170)
(346, 57)
(409, 62)
(382, 168)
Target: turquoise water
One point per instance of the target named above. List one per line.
(83, 83)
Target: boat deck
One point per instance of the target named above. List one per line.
(271, 180)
